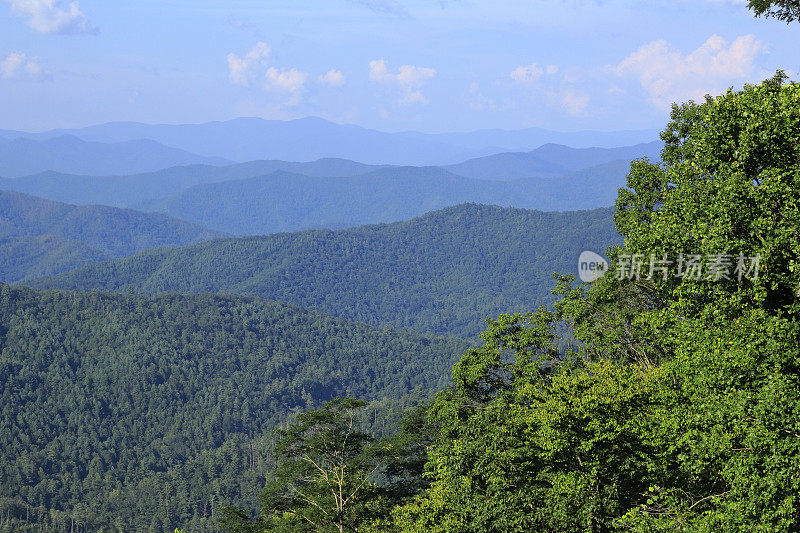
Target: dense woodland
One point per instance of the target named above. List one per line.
(631, 404)
(675, 405)
(40, 237)
(137, 412)
(444, 273)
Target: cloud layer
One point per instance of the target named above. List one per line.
(408, 78)
(255, 67)
(243, 70)
(47, 16)
(669, 76)
(18, 65)
(333, 78)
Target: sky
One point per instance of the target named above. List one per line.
(393, 65)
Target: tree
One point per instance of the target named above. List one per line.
(672, 402)
(728, 189)
(786, 10)
(324, 478)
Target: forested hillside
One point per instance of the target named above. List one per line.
(290, 202)
(444, 272)
(39, 237)
(148, 413)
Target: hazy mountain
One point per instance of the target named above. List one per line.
(40, 237)
(506, 166)
(442, 273)
(128, 190)
(573, 159)
(308, 139)
(526, 139)
(550, 160)
(134, 190)
(288, 202)
(284, 201)
(67, 153)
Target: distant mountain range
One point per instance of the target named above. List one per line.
(261, 197)
(67, 153)
(550, 160)
(308, 139)
(40, 237)
(443, 273)
(284, 201)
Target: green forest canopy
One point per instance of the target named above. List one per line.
(40, 237)
(135, 411)
(443, 273)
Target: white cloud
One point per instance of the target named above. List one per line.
(407, 75)
(243, 70)
(413, 97)
(378, 70)
(408, 78)
(412, 76)
(574, 103)
(17, 65)
(287, 80)
(527, 73)
(333, 77)
(47, 16)
(290, 81)
(669, 76)
(254, 67)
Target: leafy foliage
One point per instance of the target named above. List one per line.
(669, 403)
(785, 10)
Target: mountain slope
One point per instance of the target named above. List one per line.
(284, 201)
(444, 272)
(133, 414)
(128, 190)
(307, 139)
(574, 159)
(151, 190)
(549, 160)
(66, 153)
(291, 202)
(40, 237)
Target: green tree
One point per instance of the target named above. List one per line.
(325, 475)
(670, 403)
(786, 10)
(530, 444)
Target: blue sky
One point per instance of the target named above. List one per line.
(446, 65)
